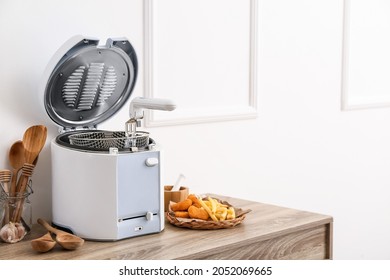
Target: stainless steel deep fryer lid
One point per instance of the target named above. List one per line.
(89, 83)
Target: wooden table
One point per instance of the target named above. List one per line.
(268, 232)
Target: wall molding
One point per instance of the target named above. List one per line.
(348, 100)
(345, 47)
(200, 115)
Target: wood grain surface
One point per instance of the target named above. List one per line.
(268, 232)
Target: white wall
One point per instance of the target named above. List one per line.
(302, 151)
(30, 33)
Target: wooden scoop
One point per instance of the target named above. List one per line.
(65, 239)
(16, 159)
(43, 244)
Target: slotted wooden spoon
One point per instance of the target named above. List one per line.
(66, 240)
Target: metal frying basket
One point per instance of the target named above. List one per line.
(104, 140)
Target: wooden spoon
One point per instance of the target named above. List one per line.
(34, 139)
(65, 239)
(44, 243)
(16, 159)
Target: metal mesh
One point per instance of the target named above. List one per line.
(109, 139)
(3, 195)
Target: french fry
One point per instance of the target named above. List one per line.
(208, 210)
(213, 203)
(208, 203)
(222, 213)
(231, 214)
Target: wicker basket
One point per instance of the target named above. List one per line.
(209, 224)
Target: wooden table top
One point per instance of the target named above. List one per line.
(263, 223)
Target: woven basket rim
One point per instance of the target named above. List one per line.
(200, 224)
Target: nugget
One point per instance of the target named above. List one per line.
(197, 213)
(181, 214)
(195, 200)
(182, 205)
